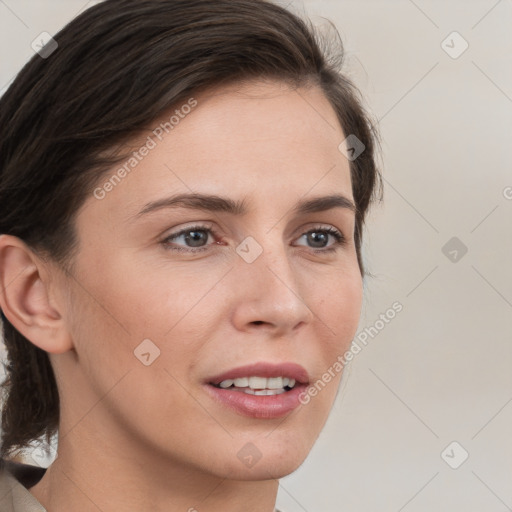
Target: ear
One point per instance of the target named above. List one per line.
(25, 297)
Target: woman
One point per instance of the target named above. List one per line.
(182, 197)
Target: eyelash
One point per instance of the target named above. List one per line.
(339, 237)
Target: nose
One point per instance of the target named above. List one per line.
(270, 293)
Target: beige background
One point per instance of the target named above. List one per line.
(440, 371)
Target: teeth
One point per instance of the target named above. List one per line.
(261, 392)
(275, 383)
(259, 384)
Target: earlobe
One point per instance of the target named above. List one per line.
(25, 297)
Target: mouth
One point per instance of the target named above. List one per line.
(261, 390)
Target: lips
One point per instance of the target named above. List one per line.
(254, 404)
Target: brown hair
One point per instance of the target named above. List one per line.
(119, 66)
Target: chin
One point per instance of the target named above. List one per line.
(267, 470)
(264, 458)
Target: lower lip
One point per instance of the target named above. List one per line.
(258, 406)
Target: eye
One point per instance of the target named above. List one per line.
(319, 235)
(196, 238)
(194, 235)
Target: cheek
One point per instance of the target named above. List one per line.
(128, 313)
(144, 298)
(338, 306)
(108, 329)
(338, 310)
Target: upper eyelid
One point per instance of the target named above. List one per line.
(201, 226)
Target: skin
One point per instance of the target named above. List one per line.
(136, 437)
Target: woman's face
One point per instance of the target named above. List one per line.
(155, 325)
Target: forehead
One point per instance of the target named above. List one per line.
(258, 138)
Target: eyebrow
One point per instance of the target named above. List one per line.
(215, 203)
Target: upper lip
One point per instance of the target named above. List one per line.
(262, 369)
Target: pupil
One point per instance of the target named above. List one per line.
(316, 234)
(195, 238)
